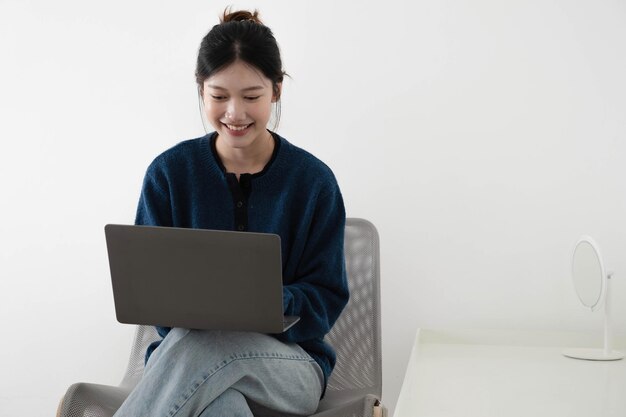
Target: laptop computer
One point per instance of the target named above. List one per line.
(197, 278)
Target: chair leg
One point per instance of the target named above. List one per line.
(379, 410)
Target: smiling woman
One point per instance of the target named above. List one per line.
(246, 177)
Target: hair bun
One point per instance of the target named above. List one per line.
(240, 16)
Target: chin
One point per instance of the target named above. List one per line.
(237, 142)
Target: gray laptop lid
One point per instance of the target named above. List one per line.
(196, 278)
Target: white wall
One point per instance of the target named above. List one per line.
(481, 137)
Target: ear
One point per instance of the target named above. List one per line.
(276, 95)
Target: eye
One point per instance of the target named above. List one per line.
(217, 97)
(252, 98)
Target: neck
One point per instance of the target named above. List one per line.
(251, 159)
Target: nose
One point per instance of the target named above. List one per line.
(235, 110)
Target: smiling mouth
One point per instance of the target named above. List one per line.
(237, 128)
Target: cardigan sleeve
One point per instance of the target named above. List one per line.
(154, 209)
(320, 291)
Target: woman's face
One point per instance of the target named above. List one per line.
(238, 103)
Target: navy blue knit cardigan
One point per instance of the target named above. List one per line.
(296, 196)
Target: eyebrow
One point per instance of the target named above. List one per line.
(256, 87)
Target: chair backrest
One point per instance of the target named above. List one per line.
(356, 336)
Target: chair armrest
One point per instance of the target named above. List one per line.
(364, 406)
(93, 400)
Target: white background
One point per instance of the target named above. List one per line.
(480, 137)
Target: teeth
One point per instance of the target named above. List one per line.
(231, 127)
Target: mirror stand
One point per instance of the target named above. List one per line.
(606, 354)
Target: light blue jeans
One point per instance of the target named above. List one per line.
(218, 373)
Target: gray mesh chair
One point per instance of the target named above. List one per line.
(355, 386)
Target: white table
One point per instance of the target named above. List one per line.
(509, 374)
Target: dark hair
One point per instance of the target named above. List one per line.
(240, 35)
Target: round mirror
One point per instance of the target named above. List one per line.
(588, 272)
(592, 286)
